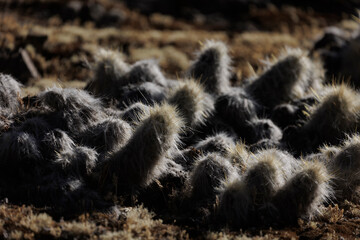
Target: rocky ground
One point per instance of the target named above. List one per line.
(46, 43)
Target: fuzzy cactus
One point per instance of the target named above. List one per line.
(303, 195)
(108, 70)
(69, 109)
(141, 159)
(275, 189)
(192, 102)
(212, 67)
(107, 135)
(219, 143)
(209, 173)
(196, 148)
(336, 115)
(289, 78)
(10, 93)
(144, 71)
(133, 113)
(344, 163)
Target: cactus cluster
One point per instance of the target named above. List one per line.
(195, 147)
(339, 50)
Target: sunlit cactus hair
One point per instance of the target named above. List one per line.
(74, 109)
(56, 141)
(287, 163)
(187, 158)
(133, 113)
(345, 166)
(77, 161)
(212, 67)
(208, 175)
(144, 71)
(303, 194)
(263, 175)
(10, 100)
(236, 107)
(263, 129)
(294, 112)
(148, 93)
(68, 99)
(192, 102)
(290, 77)
(329, 151)
(336, 115)
(266, 172)
(108, 69)
(143, 156)
(10, 93)
(240, 156)
(107, 135)
(340, 105)
(328, 122)
(219, 143)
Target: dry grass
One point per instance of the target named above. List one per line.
(136, 223)
(67, 47)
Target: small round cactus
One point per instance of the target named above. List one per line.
(192, 102)
(133, 113)
(336, 115)
(137, 163)
(108, 70)
(148, 93)
(344, 163)
(290, 77)
(236, 107)
(303, 194)
(274, 190)
(10, 93)
(106, 136)
(209, 173)
(78, 161)
(56, 141)
(69, 109)
(144, 71)
(212, 67)
(220, 143)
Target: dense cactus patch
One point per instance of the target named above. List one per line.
(242, 135)
(133, 128)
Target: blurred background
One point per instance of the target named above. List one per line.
(46, 42)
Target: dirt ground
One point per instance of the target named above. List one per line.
(43, 43)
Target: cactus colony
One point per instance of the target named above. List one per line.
(197, 147)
